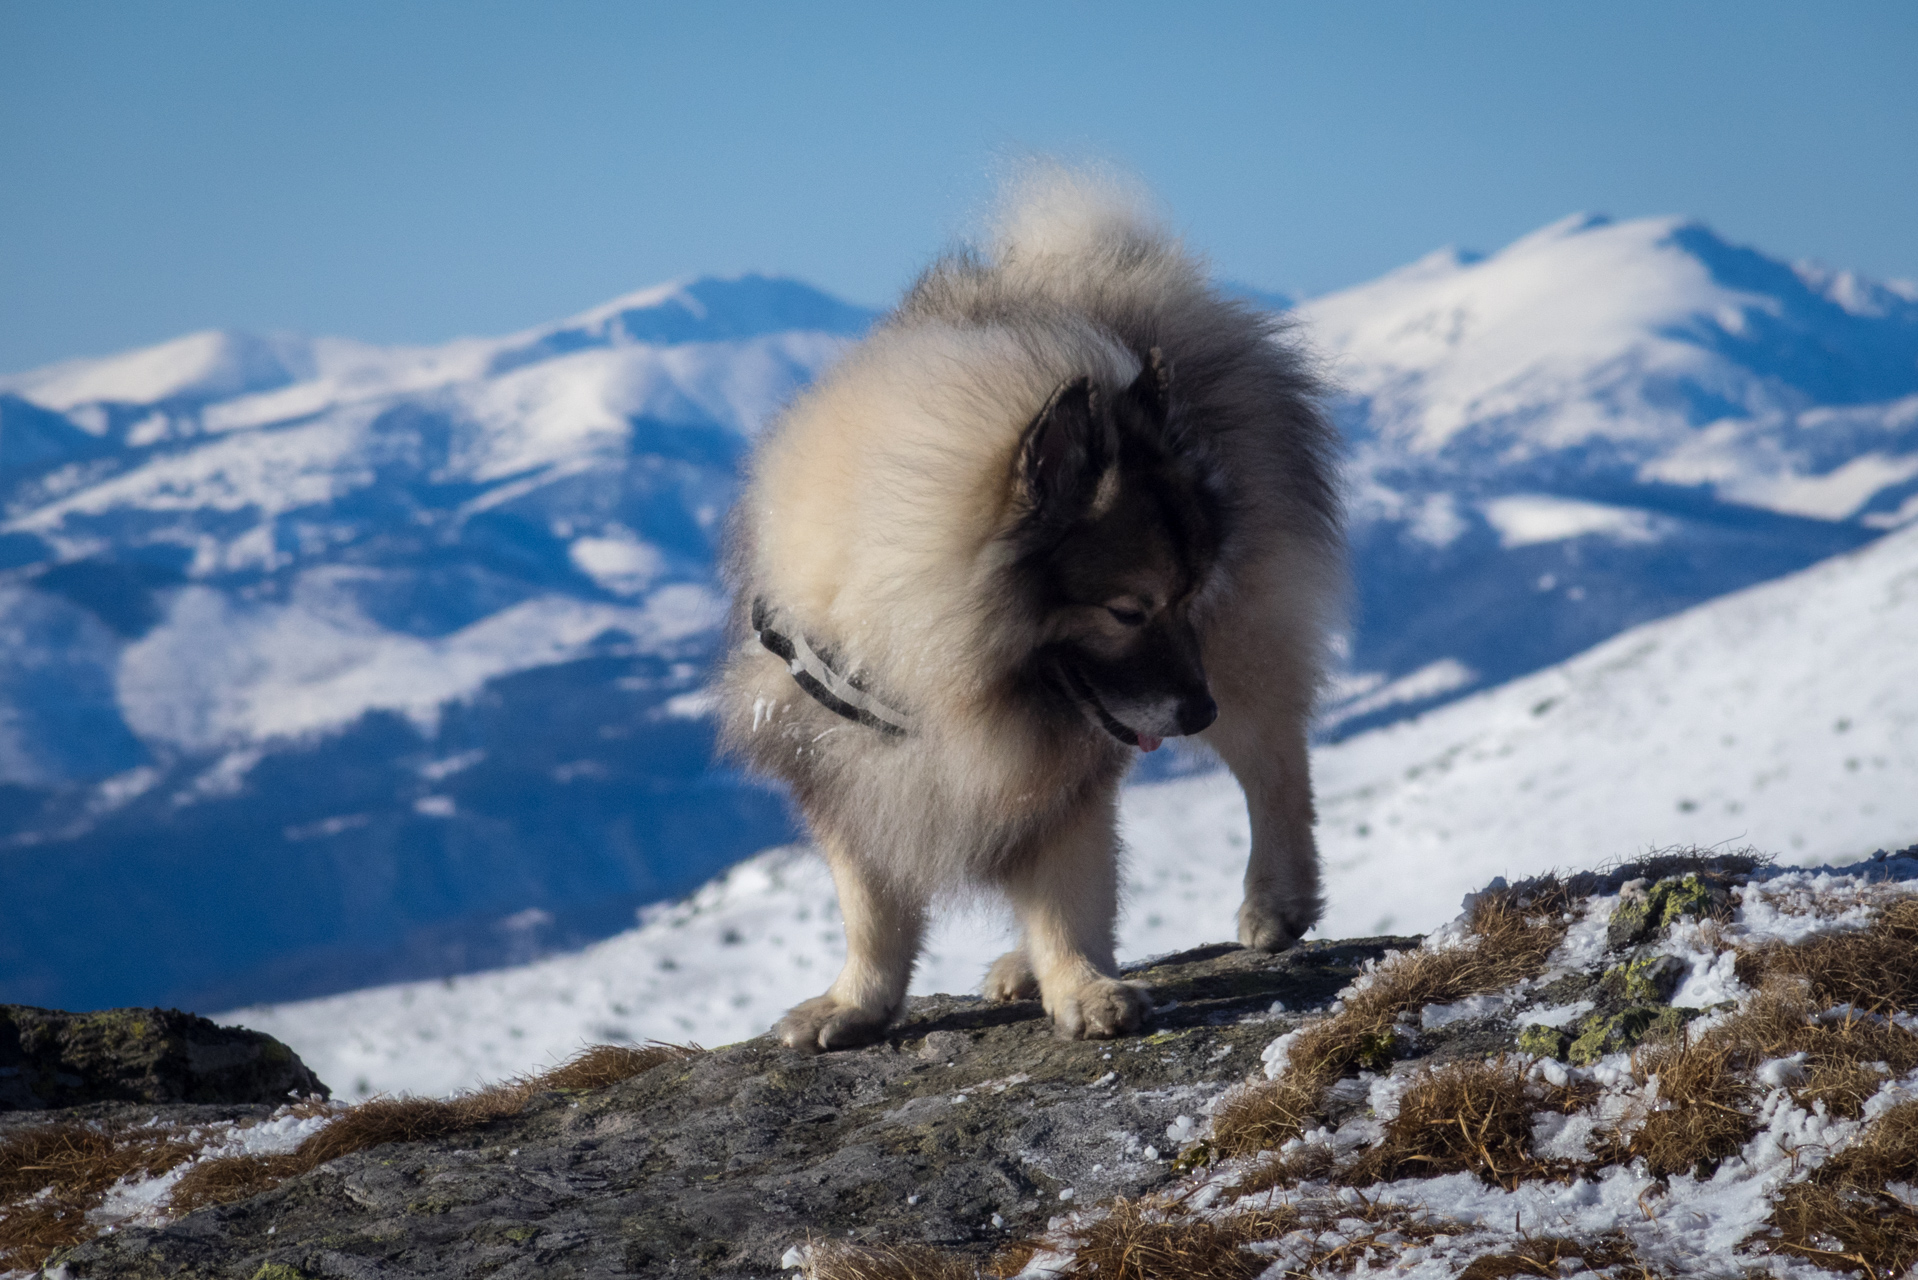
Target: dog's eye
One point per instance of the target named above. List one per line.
(1127, 617)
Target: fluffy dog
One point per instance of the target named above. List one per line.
(1066, 501)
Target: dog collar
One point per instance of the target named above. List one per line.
(841, 695)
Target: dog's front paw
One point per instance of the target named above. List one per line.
(1272, 926)
(1101, 1010)
(1011, 978)
(825, 1023)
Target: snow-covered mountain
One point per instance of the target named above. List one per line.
(1784, 716)
(324, 664)
(1597, 425)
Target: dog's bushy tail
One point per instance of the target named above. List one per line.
(1048, 209)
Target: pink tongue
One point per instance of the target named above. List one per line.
(1149, 744)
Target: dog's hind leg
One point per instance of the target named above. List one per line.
(1011, 977)
(1265, 699)
(1282, 876)
(884, 926)
(1067, 898)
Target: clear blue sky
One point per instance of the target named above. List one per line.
(410, 170)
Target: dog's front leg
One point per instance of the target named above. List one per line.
(1067, 898)
(884, 925)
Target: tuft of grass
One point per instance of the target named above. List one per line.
(1703, 1108)
(76, 1157)
(836, 1260)
(1138, 1240)
(1553, 1256)
(1305, 1162)
(1698, 1117)
(1844, 1228)
(31, 1231)
(379, 1121)
(608, 1064)
(1844, 1218)
(1164, 1238)
(1874, 968)
(1888, 1151)
(1511, 933)
(1010, 1259)
(225, 1179)
(1848, 1055)
(1473, 1117)
(51, 1175)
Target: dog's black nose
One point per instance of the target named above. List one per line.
(1196, 713)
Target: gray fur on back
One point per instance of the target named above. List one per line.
(1240, 376)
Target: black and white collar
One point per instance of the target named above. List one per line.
(812, 670)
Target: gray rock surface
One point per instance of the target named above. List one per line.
(50, 1059)
(971, 1125)
(715, 1165)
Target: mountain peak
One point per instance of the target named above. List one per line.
(699, 309)
(209, 365)
(1572, 224)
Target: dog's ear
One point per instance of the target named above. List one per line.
(1152, 389)
(1068, 447)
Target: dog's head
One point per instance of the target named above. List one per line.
(1117, 535)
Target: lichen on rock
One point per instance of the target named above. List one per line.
(1603, 1034)
(51, 1059)
(1544, 1042)
(1645, 979)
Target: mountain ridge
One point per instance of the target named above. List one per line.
(251, 619)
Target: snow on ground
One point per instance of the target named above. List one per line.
(140, 1201)
(1684, 1224)
(1785, 715)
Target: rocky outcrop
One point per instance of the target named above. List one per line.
(970, 1125)
(50, 1059)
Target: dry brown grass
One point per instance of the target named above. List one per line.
(1554, 1256)
(378, 1121)
(225, 1179)
(1140, 1240)
(1158, 1239)
(1473, 1117)
(1307, 1162)
(1702, 1112)
(1843, 1217)
(836, 1260)
(1340, 1235)
(1874, 968)
(1511, 934)
(1846, 1229)
(1847, 1057)
(1888, 1151)
(1010, 1259)
(83, 1157)
(1699, 1115)
(51, 1175)
(608, 1064)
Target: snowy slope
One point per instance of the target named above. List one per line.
(413, 636)
(1785, 716)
